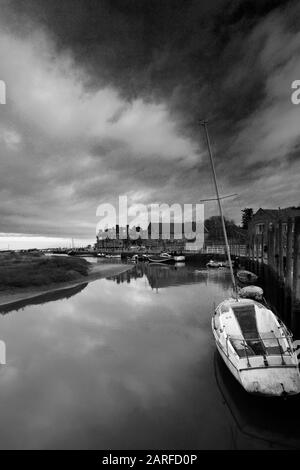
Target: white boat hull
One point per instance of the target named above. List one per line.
(272, 374)
(269, 382)
(213, 265)
(161, 260)
(272, 381)
(179, 258)
(228, 363)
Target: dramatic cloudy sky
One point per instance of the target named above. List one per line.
(104, 98)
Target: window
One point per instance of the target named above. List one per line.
(260, 228)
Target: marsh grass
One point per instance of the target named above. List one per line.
(19, 270)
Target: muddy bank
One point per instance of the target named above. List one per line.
(96, 271)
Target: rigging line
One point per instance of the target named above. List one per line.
(204, 124)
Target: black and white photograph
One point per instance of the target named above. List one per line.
(149, 228)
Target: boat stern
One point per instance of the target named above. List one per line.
(272, 382)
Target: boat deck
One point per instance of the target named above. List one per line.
(251, 330)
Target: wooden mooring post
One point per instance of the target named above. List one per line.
(296, 272)
(279, 268)
(288, 298)
(289, 255)
(280, 250)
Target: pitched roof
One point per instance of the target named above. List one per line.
(278, 213)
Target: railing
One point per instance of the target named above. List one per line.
(235, 249)
(257, 346)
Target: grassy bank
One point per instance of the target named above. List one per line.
(18, 270)
(36, 278)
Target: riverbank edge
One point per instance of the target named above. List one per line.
(98, 271)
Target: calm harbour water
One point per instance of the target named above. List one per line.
(129, 363)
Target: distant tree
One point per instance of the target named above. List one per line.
(214, 228)
(247, 215)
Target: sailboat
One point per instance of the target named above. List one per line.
(255, 345)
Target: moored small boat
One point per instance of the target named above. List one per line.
(179, 258)
(256, 347)
(254, 344)
(163, 258)
(246, 277)
(213, 264)
(251, 292)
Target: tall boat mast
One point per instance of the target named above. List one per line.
(204, 124)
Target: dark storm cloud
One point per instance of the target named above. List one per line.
(172, 49)
(128, 82)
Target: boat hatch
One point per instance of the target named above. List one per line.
(254, 344)
(245, 315)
